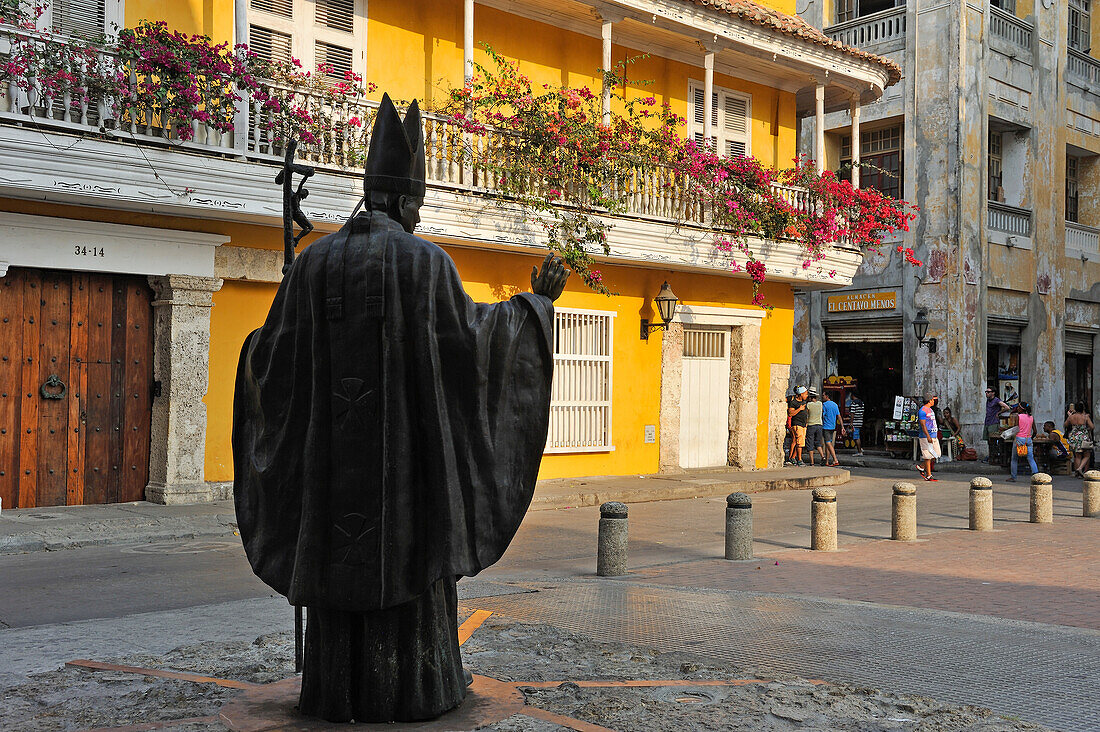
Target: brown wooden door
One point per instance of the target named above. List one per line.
(76, 363)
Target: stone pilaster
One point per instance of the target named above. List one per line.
(181, 361)
(672, 365)
(744, 386)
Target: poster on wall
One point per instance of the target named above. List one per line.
(1009, 391)
(899, 407)
(1008, 363)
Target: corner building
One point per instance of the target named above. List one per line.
(135, 263)
(994, 132)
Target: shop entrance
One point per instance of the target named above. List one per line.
(75, 387)
(876, 369)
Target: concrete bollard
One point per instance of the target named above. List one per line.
(823, 520)
(738, 526)
(612, 541)
(981, 504)
(1090, 494)
(1042, 499)
(904, 514)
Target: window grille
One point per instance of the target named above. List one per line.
(705, 344)
(580, 397)
(1071, 189)
(79, 18)
(336, 56)
(1080, 29)
(336, 14)
(285, 8)
(729, 117)
(270, 45)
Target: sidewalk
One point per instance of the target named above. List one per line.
(69, 527)
(969, 467)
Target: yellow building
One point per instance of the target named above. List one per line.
(136, 263)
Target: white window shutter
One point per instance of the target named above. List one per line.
(80, 18)
(284, 8)
(336, 14)
(268, 44)
(337, 56)
(580, 396)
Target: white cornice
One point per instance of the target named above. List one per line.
(177, 183)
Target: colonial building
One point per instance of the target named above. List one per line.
(136, 262)
(994, 133)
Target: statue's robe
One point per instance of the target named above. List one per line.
(387, 434)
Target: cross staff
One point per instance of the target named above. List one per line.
(292, 202)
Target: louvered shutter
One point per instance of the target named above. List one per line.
(336, 56)
(284, 8)
(1003, 334)
(1080, 342)
(270, 45)
(336, 14)
(735, 125)
(80, 18)
(873, 330)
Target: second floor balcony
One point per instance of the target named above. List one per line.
(121, 151)
(1008, 225)
(880, 32)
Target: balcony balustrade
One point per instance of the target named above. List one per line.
(1081, 240)
(870, 30)
(1009, 28)
(1010, 220)
(1083, 67)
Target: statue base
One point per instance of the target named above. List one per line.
(275, 707)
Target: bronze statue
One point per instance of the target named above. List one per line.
(387, 433)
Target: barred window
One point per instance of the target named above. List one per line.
(996, 171)
(580, 397)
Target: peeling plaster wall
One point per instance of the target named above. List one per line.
(957, 77)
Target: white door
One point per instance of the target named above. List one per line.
(705, 399)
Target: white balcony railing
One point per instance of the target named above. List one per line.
(1009, 220)
(870, 30)
(1008, 27)
(1081, 239)
(80, 107)
(1083, 66)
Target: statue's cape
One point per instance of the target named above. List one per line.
(387, 430)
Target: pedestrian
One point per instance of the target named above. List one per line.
(815, 434)
(993, 409)
(929, 440)
(1079, 429)
(796, 411)
(1022, 444)
(831, 423)
(1059, 446)
(855, 420)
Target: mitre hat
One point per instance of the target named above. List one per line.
(395, 158)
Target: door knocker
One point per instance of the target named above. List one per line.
(53, 382)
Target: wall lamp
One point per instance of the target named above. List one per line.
(666, 305)
(920, 328)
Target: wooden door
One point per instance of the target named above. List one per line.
(75, 387)
(705, 399)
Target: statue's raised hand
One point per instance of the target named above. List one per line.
(550, 280)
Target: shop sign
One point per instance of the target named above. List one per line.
(857, 301)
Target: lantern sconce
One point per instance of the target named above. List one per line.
(666, 306)
(920, 329)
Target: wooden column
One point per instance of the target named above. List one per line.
(605, 33)
(708, 96)
(468, 41)
(819, 128)
(855, 141)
